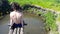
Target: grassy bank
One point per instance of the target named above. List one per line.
(58, 18)
(51, 4)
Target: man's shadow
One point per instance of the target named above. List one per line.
(24, 24)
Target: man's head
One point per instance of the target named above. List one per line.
(15, 6)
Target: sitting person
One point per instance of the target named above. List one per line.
(16, 18)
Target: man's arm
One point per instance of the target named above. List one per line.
(22, 21)
(11, 21)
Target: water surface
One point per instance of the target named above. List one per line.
(34, 25)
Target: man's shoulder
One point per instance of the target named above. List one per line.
(11, 13)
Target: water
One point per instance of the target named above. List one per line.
(34, 25)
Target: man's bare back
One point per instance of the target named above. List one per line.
(16, 17)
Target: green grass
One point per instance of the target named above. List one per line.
(58, 19)
(51, 4)
(50, 20)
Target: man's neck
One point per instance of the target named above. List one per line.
(15, 10)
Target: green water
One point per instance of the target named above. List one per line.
(34, 25)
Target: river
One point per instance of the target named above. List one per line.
(35, 25)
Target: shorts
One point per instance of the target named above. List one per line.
(16, 26)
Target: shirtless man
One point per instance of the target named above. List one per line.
(16, 19)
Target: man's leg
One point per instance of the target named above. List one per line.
(10, 31)
(15, 31)
(21, 31)
(18, 30)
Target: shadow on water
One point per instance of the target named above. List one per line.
(35, 25)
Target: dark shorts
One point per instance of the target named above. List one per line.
(16, 26)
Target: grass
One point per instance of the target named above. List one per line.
(50, 21)
(58, 19)
(51, 4)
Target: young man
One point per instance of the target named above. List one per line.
(16, 19)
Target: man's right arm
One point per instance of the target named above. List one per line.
(11, 21)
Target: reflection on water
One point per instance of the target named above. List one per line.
(35, 25)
